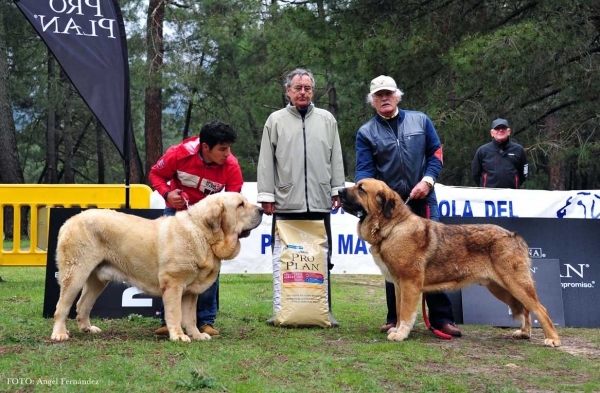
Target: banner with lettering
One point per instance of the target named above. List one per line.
(351, 254)
(87, 38)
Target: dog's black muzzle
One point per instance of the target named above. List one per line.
(350, 204)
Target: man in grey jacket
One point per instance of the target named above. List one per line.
(300, 167)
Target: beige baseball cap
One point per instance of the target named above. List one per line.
(383, 82)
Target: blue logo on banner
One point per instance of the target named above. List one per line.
(586, 201)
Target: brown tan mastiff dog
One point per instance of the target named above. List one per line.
(174, 257)
(420, 255)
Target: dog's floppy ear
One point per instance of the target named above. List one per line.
(387, 204)
(213, 217)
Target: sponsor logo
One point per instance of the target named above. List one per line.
(82, 18)
(209, 187)
(576, 273)
(536, 253)
(458, 208)
(583, 204)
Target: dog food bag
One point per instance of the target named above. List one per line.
(300, 275)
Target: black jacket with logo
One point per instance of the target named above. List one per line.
(500, 165)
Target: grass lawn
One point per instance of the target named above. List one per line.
(8, 245)
(253, 357)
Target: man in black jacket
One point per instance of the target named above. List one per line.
(500, 163)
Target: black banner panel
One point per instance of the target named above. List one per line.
(118, 300)
(574, 243)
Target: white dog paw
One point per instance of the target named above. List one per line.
(392, 330)
(90, 329)
(60, 336)
(395, 336)
(201, 336)
(552, 342)
(181, 337)
(521, 334)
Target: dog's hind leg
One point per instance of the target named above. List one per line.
(65, 300)
(407, 302)
(92, 288)
(519, 312)
(71, 281)
(525, 292)
(188, 311)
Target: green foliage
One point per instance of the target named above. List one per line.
(199, 381)
(462, 63)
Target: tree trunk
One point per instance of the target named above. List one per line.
(67, 137)
(153, 99)
(188, 118)
(11, 172)
(333, 108)
(100, 151)
(136, 170)
(556, 166)
(333, 104)
(320, 9)
(51, 175)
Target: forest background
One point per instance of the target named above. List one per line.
(462, 62)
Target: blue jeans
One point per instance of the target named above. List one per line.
(438, 303)
(208, 302)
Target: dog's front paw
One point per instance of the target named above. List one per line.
(180, 337)
(201, 336)
(552, 342)
(92, 329)
(521, 334)
(60, 336)
(397, 336)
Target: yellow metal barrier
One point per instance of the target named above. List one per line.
(39, 198)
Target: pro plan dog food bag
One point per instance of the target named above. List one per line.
(300, 275)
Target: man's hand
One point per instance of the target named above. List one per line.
(335, 203)
(421, 190)
(176, 199)
(268, 207)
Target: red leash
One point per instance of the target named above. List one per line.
(434, 330)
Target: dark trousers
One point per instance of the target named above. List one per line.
(208, 301)
(438, 303)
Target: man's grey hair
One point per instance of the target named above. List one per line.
(299, 71)
(398, 93)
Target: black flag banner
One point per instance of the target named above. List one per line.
(87, 38)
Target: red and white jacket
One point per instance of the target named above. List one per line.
(184, 168)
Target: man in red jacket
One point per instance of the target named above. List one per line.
(186, 174)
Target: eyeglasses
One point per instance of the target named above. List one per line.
(383, 93)
(299, 88)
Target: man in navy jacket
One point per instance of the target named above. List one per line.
(402, 149)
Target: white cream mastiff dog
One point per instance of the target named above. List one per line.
(174, 257)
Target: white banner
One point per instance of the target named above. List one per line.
(351, 254)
